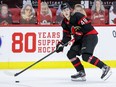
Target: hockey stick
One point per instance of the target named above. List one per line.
(16, 74)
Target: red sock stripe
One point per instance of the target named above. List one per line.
(77, 64)
(96, 62)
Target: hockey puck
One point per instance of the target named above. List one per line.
(17, 81)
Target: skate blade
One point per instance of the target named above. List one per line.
(108, 75)
(79, 79)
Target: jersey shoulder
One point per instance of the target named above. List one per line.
(78, 14)
(79, 19)
(76, 17)
(64, 23)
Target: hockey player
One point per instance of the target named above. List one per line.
(85, 35)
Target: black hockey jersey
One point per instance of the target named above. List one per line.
(78, 26)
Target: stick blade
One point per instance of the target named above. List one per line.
(16, 74)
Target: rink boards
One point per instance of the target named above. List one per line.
(21, 46)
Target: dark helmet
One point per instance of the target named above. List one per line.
(64, 6)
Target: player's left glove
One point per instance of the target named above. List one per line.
(59, 47)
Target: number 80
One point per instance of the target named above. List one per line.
(19, 43)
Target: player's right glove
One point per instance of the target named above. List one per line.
(59, 47)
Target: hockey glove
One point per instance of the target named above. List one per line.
(59, 47)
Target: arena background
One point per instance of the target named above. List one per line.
(36, 40)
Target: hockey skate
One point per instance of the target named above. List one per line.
(80, 76)
(106, 72)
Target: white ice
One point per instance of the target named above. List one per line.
(55, 78)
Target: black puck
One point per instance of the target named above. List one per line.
(17, 81)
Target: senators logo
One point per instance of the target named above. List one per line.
(75, 29)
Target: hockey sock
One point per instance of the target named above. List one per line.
(77, 64)
(97, 62)
(93, 60)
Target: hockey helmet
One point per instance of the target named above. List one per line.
(64, 6)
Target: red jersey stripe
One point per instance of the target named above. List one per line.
(82, 19)
(92, 32)
(66, 31)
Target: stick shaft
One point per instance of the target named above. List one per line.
(40, 60)
(34, 64)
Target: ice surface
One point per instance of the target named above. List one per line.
(55, 78)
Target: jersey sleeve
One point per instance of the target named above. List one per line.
(82, 19)
(66, 33)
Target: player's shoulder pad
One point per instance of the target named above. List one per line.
(64, 21)
(78, 14)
